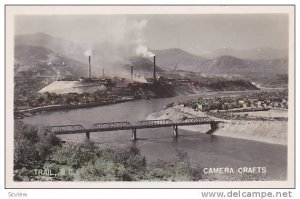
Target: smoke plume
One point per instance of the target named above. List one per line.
(122, 39)
(141, 48)
(88, 52)
(143, 51)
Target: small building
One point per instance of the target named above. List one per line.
(259, 103)
(241, 102)
(200, 107)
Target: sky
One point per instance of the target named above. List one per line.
(198, 34)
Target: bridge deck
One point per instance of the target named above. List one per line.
(113, 126)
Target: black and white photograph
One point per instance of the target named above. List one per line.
(150, 94)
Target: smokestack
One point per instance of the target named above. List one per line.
(154, 68)
(90, 74)
(131, 72)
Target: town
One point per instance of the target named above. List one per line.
(224, 107)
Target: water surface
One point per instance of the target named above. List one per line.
(204, 150)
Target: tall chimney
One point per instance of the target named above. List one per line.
(131, 72)
(154, 68)
(90, 73)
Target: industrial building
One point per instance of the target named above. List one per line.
(89, 84)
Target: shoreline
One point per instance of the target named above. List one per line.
(49, 108)
(271, 132)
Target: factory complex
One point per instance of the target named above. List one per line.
(91, 84)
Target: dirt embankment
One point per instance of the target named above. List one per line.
(274, 132)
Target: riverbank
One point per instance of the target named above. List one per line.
(54, 100)
(23, 112)
(274, 132)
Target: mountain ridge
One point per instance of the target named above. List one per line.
(257, 53)
(172, 59)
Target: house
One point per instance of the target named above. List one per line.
(259, 103)
(241, 102)
(200, 107)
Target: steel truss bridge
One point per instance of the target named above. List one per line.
(114, 126)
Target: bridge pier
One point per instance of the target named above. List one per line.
(213, 127)
(133, 137)
(175, 131)
(87, 134)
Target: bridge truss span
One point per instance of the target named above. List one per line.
(153, 123)
(110, 126)
(144, 124)
(67, 129)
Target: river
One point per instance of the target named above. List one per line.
(204, 150)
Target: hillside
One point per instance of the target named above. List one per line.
(258, 53)
(42, 61)
(177, 59)
(55, 44)
(235, 66)
(171, 59)
(144, 64)
(39, 47)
